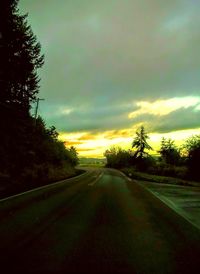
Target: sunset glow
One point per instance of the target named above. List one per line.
(94, 145)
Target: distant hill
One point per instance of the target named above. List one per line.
(92, 161)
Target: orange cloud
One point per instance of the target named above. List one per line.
(125, 133)
(73, 143)
(87, 137)
(85, 149)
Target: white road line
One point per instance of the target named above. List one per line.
(42, 187)
(126, 177)
(172, 205)
(97, 179)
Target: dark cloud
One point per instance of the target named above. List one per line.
(177, 120)
(104, 56)
(105, 118)
(180, 119)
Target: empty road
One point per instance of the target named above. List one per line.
(99, 222)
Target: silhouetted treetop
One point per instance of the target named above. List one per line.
(20, 58)
(140, 143)
(169, 152)
(192, 147)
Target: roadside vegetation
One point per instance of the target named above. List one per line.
(91, 162)
(177, 165)
(30, 153)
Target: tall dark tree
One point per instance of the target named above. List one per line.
(140, 143)
(192, 149)
(20, 58)
(20, 55)
(29, 151)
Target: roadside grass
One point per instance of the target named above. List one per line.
(37, 177)
(92, 165)
(133, 174)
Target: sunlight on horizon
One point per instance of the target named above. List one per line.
(94, 145)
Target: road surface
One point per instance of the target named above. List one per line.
(185, 200)
(99, 222)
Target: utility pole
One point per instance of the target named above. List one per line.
(36, 109)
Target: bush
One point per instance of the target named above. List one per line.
(163, 169)
(192, 149)
(145, 164)
(132, 173)
(117, 157)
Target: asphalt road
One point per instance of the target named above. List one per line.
(185, 200)
(99, 222)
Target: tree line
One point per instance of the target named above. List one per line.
(30, 152)
(174, 161)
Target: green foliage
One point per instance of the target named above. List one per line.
(132, 173)
(192, 149)
(170, 154)
(140, 159)
(47, 148)
(145, 163)
(163, 169)
(117, 157)
(32, 155)
(29, 151)
(73, 156)
(171, 163)
(140, 143)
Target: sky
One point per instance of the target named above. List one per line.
(114, 65)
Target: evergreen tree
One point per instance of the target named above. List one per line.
(20, 58)
(140, 143)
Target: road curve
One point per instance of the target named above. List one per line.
(98, 223)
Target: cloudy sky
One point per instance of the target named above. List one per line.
(113, 65)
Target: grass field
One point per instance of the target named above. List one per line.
(130, 172)
(92, 165)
